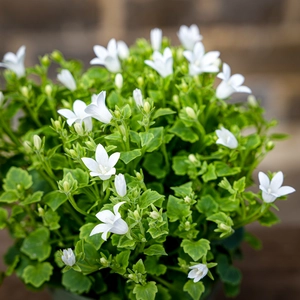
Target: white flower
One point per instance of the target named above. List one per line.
(201, 62)
(123, 50)
(230, 84)
(68, 257)
(156, 38)
(15, 62)
(67, 79)
(103, 166)
(120, 185)
(107, 57)
(226, 138)
(163, 63)
(198, 272)
(138, 97)
(273, 189)
(119, 81)
(189, 36)
(98, 110)
(112, 222)
(78, 115)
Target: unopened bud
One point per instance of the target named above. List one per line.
(187, 225)
(41, 211)
(190, 112)
(187, 199)
(66, 186)
(73, 153)
(270, 145)
(154, 215)
(119, 81)
(91, 145)
(147, 107)
(175, 99)
(184, 86)
(117, 114)
(27, 146)
(104, 262)
(136, 215)
(139, 176)
(45, 61)
(37, 142)
(252, 101)
(48, 90)
(123, 130)
(56, 125)
(25, 91)
(78, 128)
(151, 77)
(192, 158)
(224, 227)
(57, 56)
(140, 81)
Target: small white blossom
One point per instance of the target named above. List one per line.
(123, 50)
(201, 62)
(156, 38)
(230, 84)
(162, 63)
(198, 272)
(226, 138)
(103, 166)
(68, 257)
(138, 97)
(78, 115)
(107, 57)
(119, 81)
(98, 110)
(15, 62)
(67, 79)
(112, 222)
(273, 189)
(120, 185)
(189, 36)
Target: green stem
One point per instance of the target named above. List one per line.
(70, 210)
(9, 132)
(73, 203)
(33, 115)
(176, 269)
(164, 282)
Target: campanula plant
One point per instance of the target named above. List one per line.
(130, 180)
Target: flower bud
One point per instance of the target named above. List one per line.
(119, 81)
(25, 91)
(187, 199)
(184, 86)
(73, 153)
(225, 227)
(79, 129)
(27, 147)
(57, 56)
(91, 145)
(120, 185)
(37, 142)
(140, 81)
(151, 77)
(45, 61)
(175, 99)
(41, 211)
(139, 176)
(187, 225)
(66, 186)
(68, 257)
(147, 107)
(154, 215)
(56, 125)
(48, 90)
(136, 215)
(190, 112)
(270, 145)
(138, 97)
(192, 158)
(117, 114)
(252, 101)
(104, 262)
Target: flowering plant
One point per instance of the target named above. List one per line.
(130, 180)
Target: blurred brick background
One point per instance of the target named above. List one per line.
(259, 39)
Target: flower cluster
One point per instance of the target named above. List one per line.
(136, 169)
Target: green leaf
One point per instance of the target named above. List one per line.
(163, 293)
(196, 250)
(195, 289)
(224, 184)
(139, 267)
(185, 133)
(227, 272)
(163, 112)
(180, 165)
(51, 219)
(253, 241)
(158, 134)
(146, 138)
(154, 164)
(268, 219)
(38, 274)
(148, 198)
(155, 249)
(58, 161)
(183, 190)
(253, 141)
(36, 197)
(76, 282)
(210, 173)
(231, 290)
(16, 176)
(121, 262)
(36, 245)
(222, 169)
(219, 218)
(240, 185)
(81, 176)
(134, 137)
(3, 217)
(128, 156)
(9, 197)
(279, 136)
(55, 199)
(145, 292)
(95, 239)
(153, 267)
(177, 209)
(207, 205)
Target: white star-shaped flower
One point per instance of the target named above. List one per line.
(201, 62)
(78, 115)
(189, 36)
(112, 222)
(226, 138)
(15, 62)
(120, 185)
(162, 63)
(98, 110)
(67, 79)
(107, 57)
(68, 257)
(230, 84)
(156, 38)
(273, 189)
(198, 272)
(103, 166)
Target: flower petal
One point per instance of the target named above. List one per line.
(243, 89)
(79, 107)
(100, 52)
(268, 198)
(113, 159)
(285, 190)
(276, 182)
(120, 227)
(91, 164)
(236, 80)
(264, 180)
(100, 228)
(101, 156)
(67, 113)
(105, 216)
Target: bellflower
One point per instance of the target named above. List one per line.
(112, 222)
(78, 115)
(198, 272)
(98, 110)
(15, 62)
(201, 62)
(120, 185)
(230, 84)
(67, 79)
(189, 36)
(226, 138)
(156, 38)
(138, 97)
(107, 57)
(273, 189)
(123, 50)
(103, 166)
(68, 257)
(162, 63)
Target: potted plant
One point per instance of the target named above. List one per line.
(130, 180)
